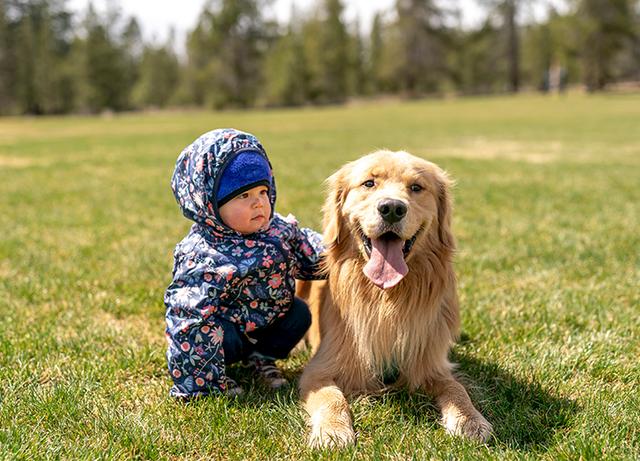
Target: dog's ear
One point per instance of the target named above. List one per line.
(445, 235)
(333, 221)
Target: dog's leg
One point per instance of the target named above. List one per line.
(459, 416)
(329, 414)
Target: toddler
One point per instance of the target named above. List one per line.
(232, 295)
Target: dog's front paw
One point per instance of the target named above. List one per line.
(331, 430)
(474, 427)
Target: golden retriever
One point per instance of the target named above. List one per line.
(390, 303)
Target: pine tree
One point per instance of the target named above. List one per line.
(101, 65)
(226, 53)
(511, 30)
(334, 56)
(421, 61)
(159, 71)
(606, 26)
(193, 85)
(25, 69)
(40, 48)
(132, 54)
(287, 73)
(375, 55)
(7, 62)
(550, 46)
(358, 76)
(476, 61)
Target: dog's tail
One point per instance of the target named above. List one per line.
(303, 289)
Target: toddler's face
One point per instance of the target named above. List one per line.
(248, 212)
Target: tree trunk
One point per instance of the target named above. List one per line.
(512, 45)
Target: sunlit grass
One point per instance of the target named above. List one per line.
(548, 224)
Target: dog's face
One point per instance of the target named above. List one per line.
(390, 205)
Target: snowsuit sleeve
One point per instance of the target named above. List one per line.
(308, 250)
(195, 354)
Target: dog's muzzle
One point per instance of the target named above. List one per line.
(386, 265)
(390, 235)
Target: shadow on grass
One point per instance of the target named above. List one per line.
(258, 393)
(525, 415)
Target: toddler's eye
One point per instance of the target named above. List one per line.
(416, 187)
(244, 195)
(369, 183)
(264, 192)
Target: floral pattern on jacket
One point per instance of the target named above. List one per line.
(221, 275)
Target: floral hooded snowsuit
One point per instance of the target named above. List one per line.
(222, 275)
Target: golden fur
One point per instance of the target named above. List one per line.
(360, 331)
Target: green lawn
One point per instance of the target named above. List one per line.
(548, 224)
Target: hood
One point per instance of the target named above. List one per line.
(199, 168)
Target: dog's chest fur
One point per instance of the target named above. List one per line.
(391, 329)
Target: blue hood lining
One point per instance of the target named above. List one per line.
(216, 182)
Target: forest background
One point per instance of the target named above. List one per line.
(56, 61)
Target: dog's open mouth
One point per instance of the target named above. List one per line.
(386, 266)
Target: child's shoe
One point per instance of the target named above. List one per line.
(269, 373)
(233, 389)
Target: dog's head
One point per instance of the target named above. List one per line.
(386, 208)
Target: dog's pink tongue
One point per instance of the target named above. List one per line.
(386, 266)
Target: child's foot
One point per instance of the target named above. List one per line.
(269, 373)
(233, 389)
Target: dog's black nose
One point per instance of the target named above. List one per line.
(392, 210)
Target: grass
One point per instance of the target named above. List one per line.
(548, 225)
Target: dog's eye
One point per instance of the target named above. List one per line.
(369, 183)
(416, 187)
